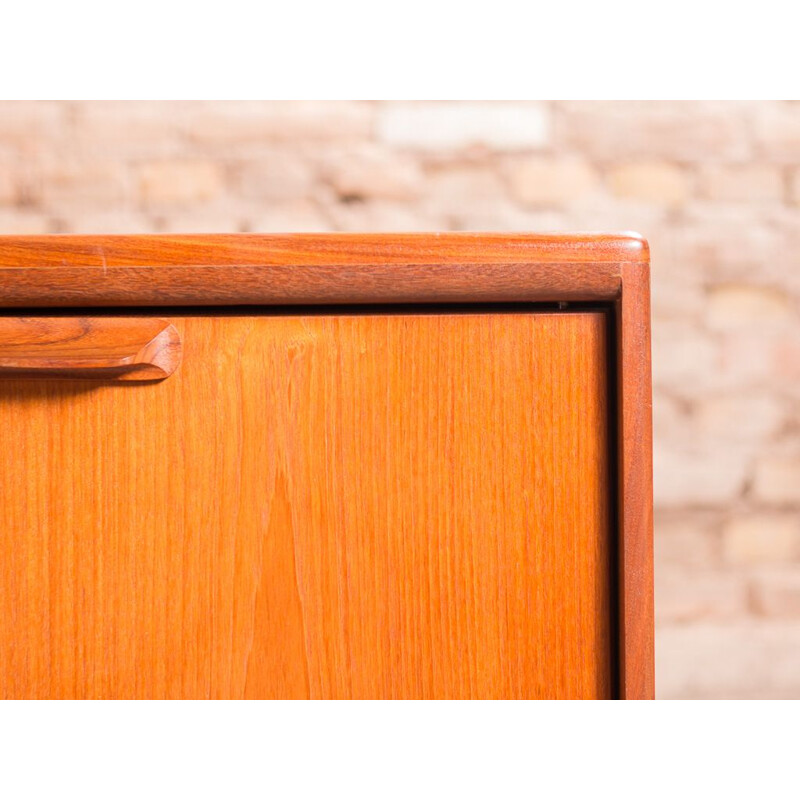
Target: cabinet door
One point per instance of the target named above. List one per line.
(327, 506)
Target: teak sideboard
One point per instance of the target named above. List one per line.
(325, 466)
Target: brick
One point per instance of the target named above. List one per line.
(777, 479)
(759, 356)
(110, 221)
(687, 539)
(462, 190)
(226, 123)
(776, 592)
(374, 173)
(777, 131)
(276, 177)
(656, 182)
(686, 131)
(734, 245)
(668, 267)
(673, 299)
(8, 186)
(230, 213)
(761, 537)
(23, 182)
(751, 360)
(290, 217)
(130, 129)
(741, 417)
(794, 187)
(670, 416)
(751, 183)
(383, 215)
(24, 122)
(737, 660)
(547, 181)
(691, 594)
(452, 126)
(746, 361)
(80, 184)
(683, 356)
(784, 357)
(227, 218)
(688, 477)
(179, 182)
(738, 305)
(21, 222)
(506, 216)
(469, 197)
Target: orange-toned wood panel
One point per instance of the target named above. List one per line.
(318, 506)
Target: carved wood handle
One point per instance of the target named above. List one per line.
(93, 348)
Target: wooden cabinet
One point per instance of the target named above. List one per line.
(329, 467)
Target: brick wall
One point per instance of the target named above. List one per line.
(714, 186)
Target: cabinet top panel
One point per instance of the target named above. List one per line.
(315, 248)
(274, 269)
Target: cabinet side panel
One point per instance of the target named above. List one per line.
(637, 650)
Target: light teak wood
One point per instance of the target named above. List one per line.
(635, 485)
(100, 348)
(238, 269)
(317, 506)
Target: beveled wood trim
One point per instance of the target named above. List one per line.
(86, 348)
(53, 271)
(347, 269)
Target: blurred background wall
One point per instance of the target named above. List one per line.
(715, 187)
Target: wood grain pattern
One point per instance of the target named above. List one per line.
(52, 271)
(402, 268)
(334, 506)
(635, 458)
(100, 348)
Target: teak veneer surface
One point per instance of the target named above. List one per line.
(361, 506)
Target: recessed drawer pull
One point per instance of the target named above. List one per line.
(91, 348)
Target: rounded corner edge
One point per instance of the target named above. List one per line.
(635, 246)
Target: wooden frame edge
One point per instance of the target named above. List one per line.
(635, 478)
(93, 271)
